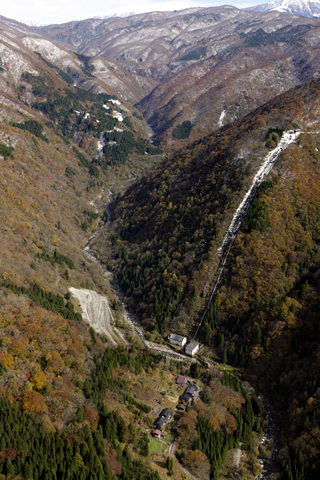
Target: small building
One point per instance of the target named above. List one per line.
(185, 397)
(192, 348)
(181, 380)
(166, 412)
(177, 340)
(181, 407)
(164, 417)
(160, 422)
(156, 433)
(191, 390)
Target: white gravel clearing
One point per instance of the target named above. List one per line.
(95, 311)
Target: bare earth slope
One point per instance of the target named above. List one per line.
(95, 311)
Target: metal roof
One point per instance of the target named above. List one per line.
(190, 348)
(161, 421)
(166, 412)
(177, 338)
(181, 380)
(191, 390)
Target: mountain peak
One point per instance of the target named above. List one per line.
(301, 8)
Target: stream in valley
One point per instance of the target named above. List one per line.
(269, 445)
(128, 317)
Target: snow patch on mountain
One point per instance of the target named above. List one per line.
(14, 62)
(50, 51)
(223, 114)
(5, 39)
(32, 23)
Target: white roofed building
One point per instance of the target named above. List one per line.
(177, 340)
(192, 348)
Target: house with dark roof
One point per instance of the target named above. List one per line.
(166, 412)
(185, 397)
(164, 417)
(160, 422)
(191, 390)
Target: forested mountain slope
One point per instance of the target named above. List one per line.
(55, 155)
(20, 43)
(54, 423)
(166, 233)
(178, 215)
(248, 67)
(159, 44)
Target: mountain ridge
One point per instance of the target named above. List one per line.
(302, 8)
(192, 62)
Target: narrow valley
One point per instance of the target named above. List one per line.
(160, 247)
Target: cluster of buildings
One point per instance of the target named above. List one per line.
(191, 349)
(191, 393)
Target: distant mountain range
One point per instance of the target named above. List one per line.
(208, 66)
(301, 8)
(137, 9)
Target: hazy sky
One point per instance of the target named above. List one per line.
(59, 11)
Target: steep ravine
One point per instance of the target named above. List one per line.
(270, 442)
(94, 307)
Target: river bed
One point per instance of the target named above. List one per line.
(269, 445)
